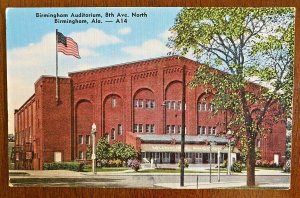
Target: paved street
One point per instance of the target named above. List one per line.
(129, 179)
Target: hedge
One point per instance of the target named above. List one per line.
(73, 166)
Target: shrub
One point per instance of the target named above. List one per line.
(265, 163)
(114, 163)
(73, 166)
(237, 167)
(135, 164)
(186, 163)
(287, 166)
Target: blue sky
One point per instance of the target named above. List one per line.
(31, 44)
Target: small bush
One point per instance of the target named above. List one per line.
(186, 163)
(114, 163)
(237, 167)
(73, 166)
(135, 164)
(287, 166)
(266, 164)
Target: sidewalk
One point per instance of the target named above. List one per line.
(222, 185)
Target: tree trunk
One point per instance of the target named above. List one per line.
(251, 161)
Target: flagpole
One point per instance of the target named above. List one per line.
(56, 76)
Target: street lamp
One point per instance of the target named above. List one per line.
(210, 156)
(94, 130)
(229, 133)
(183, 128)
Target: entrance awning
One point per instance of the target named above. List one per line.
(188, 148)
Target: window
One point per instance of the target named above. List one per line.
(88, 139)
(173, 105)
(203, 131)
(168, 104)
(80, 156)
(147, 128)
(140, 103)
(210, 107)
(210, 130)
(168, 128)
(213, 131)
(179, 105)
(152, 128)
(119, 129)
(113, 102)
(148, 103)
(136, 103)
(80, 139)
(173, 128)
(140, 128)
(179, 129)
(152, 104)
(112, 133)
(135, 128)
(198, 130)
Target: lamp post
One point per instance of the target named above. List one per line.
(229, 133)
(182, 129)
(210, 156)
(94, 130)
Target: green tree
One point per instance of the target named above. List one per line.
(102, 150)
(244, 43)
(122, 151)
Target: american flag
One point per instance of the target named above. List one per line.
(67, 45)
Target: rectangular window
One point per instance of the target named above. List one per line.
(119, 129)
(210, 130)
(152, 105)
(88, 139)
(152, 128)
(179, 129)
(203, 106)
(113, 102)
(214, 131)
(173, 128)
(135, 128)
(80, 156)
(179, 105)
(168, 128)
(198, 130)
(113, 134)
(210, 107)
(148, 103)
(203, 131)
(80, 139)
(140, 128)
(199, 106)
(147, 128)
(168, 104)
(136, 103)
(141, 103)
(173, 105)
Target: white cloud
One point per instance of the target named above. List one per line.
(93, 38)
(149, 48)
(126, 30)
(165, 35)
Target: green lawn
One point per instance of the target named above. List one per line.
(178, 171)
(106, 169)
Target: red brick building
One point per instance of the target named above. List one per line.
(138, 103)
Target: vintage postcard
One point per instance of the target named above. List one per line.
(180, 98)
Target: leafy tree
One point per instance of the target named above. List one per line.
(244, 43)
(288, 144)
(102, 149)
(122, 151)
